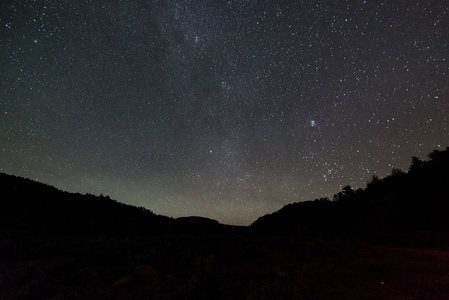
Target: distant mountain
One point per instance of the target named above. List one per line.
(30, 206)
(401, 202)
(198, 220)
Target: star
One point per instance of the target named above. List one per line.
(227, 110)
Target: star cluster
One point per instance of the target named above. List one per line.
(224, 109)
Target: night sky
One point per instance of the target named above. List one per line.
(222, 109)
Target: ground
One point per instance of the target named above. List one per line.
(237, 266)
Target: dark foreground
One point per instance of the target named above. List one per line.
(237, 266)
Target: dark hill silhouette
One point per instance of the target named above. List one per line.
(30, 206)
(205, 222)
(402, 202)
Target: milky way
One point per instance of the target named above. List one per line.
(223, 109)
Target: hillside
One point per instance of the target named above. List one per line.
(416, 200)
(401, 202)
(30, 206)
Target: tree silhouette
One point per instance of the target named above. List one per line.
(401, 202)
(397, 172)
(347, 193)
(416, 164)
